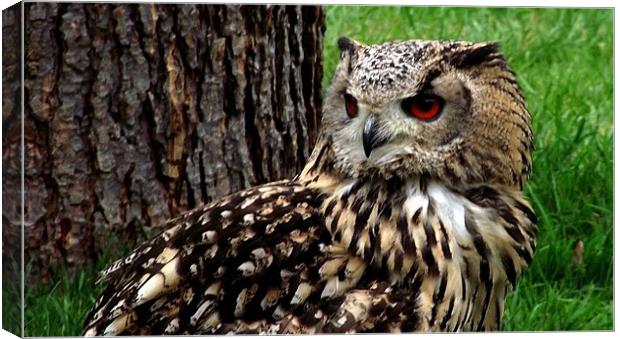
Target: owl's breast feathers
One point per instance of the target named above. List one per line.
(325, 256)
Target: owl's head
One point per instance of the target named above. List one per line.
(445, 109)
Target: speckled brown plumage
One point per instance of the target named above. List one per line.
(421, 227)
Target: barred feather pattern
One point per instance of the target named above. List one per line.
(319, 255)
(428, 233)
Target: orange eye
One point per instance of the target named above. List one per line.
(350, 104)
(424, 107)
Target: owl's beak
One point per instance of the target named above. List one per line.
(370, 136)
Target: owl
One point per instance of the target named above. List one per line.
(409, 215)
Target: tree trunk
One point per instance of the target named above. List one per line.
(136, 113)
(11, 170)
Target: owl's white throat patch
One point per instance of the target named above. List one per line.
(389, 219)
(423, 223)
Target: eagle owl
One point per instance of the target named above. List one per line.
(408, 216)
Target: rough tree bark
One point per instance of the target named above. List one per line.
(11, 170)
(135, 113)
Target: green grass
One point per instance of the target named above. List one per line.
(59, 308)
(564, 61)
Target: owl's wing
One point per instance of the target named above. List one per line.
(259, 260)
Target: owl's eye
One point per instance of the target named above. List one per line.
(424, 106)
(350, 103)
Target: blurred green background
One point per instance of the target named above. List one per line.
(563, 59)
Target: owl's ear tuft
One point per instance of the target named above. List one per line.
(347, 45)
(477, 54)
(347, 52)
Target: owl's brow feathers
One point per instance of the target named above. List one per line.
(392, 249)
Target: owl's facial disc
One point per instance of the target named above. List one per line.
(399, 125)
(447, 109)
